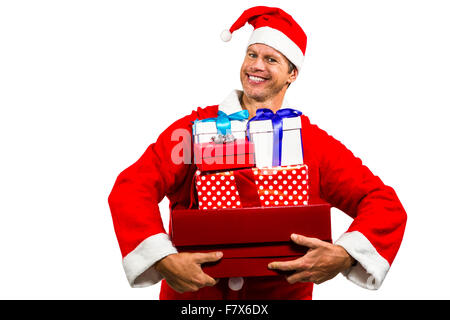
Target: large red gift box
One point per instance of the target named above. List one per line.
(210, 156)
(255, 187)
(250, 238)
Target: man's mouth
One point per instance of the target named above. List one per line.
(256, 79)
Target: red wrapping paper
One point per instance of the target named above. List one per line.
(224, 156)
(249, 238)
(266, 187)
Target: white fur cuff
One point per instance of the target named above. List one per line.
(371, 268)
(138, 264)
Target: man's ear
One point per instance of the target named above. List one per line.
(293, 76)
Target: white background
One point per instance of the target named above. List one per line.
(86, 86)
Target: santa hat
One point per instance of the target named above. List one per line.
(275, 28)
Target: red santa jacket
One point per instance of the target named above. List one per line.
(335, 174)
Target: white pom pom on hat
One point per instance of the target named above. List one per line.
(275, 28)
(225, 35)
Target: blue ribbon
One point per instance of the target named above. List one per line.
(223, 121)
(277, 124)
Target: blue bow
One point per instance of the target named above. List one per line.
(277, 124)
(223, 121)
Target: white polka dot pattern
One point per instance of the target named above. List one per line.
(276, 186)
(221, 196)
(281, 185)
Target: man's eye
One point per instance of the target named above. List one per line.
(271, 60)
(252, 55)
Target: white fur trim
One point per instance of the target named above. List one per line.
(231, 104)
(225, 35)
(138, 264)
(279, 41)
(371, 268)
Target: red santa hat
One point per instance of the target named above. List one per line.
(275, 28)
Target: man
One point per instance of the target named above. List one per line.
(363, 254)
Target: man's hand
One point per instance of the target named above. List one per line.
(322, 262)
(183, 271)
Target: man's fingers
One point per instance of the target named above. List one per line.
(299, 277)
(209, 281)
(305, 241)
(201, 258)
(207, 257)
(285, 265)
(194, 284)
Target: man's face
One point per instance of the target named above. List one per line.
(264, 72)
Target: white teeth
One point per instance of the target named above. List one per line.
(257, 79)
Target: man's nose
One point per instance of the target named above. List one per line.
(257, 65)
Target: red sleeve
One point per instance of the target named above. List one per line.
(379, 222)
(140, 188)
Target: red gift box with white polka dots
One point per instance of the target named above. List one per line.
(264, 187)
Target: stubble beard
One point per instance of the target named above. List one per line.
(263, 95)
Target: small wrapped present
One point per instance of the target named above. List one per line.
(277, 137)
(224, 128)
(221, 143)
(224, 156)
(255, 187)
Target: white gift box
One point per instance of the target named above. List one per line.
(261, 134)
(205, 131)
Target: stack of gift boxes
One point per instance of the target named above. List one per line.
(252, 193)
(250, 163)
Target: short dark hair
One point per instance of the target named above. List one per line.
(291, 67)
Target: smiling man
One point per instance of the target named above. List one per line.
(363, 254)
(265, 76)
